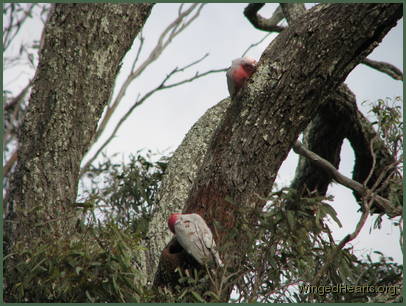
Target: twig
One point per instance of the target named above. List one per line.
(366, 203)
(384, 67)
(391, 167)
(174, 29)
(371, 150)
(9, 164)
(138, 102)
(9, 35)
(343, 180)
(255, 44)
(141, 38)
(343, 242)
(17, 99)
(261, 23)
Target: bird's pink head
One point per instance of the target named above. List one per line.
(241, 69)
(246, 63)
(172, 220)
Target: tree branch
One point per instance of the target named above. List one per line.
(292, 11)
(174, 28)
(12, 28)
(61, 119)
(343, 242)
(9, 164)
(345, 181)
(370, 153)
(274, 106)
(140, 101)
(17, 99)
(255, 44)
(324, 136)
(261, 23)
(384, 67)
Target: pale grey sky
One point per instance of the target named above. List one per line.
(222, 30)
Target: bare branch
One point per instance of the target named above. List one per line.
(255, 44)
(261, 23)
(138, 102)
(384, 67)
(14, 27)
(141, 39)
(17, 99)
(373, 155)
(174, 28)
(9, 164)
(356, 186)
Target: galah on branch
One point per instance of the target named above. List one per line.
(241, 69)
(195, 237)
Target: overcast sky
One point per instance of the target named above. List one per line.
(161, 123)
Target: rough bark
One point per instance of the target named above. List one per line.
(324, 136)
(292, 11)
(336, 120)
(367, 144)
(177, 182)
(261, 23)
(83, 47)
(294, 76)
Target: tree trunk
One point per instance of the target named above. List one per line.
(84, 45)
(337, 119)
(296, 73)
(177, 182)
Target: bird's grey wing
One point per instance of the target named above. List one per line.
(207, 237)
(189, 239)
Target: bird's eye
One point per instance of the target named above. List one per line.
(249, 67)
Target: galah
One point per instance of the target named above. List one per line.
(241, 69)
(195, 237)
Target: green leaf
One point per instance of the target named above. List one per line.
(331, 211)
(197, 296)
(291, 219)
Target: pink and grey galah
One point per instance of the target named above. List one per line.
(241, 69)
(195, 237)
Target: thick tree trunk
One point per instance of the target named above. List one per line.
(80, 58)
(295, 75)
(336, 120)
(177, 182)
(324, 136)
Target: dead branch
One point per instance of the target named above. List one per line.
(255, 44)
(384, 67)
(261, 23)
(345, 181)
(17, 99)
(13, 26)
(9, 164)
(170, 32)
(163, 85)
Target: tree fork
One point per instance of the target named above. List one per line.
(79, 60)
(266, 117)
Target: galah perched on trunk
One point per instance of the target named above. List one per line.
(195, 237)
(241, 69)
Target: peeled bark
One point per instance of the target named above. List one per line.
(84, 45)
(296, 73)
